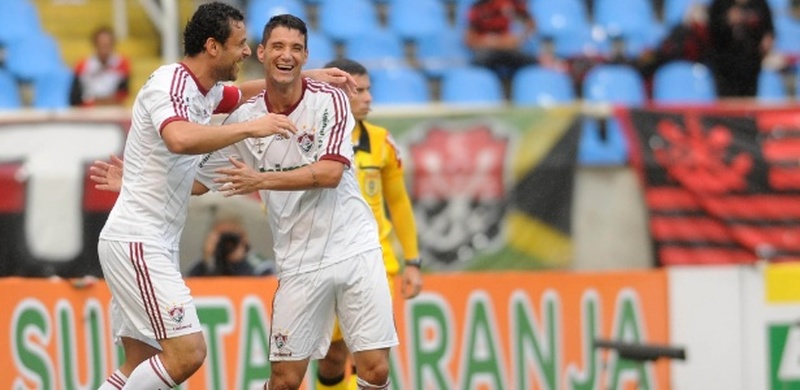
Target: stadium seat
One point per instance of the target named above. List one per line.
(259, 12)
(401, 85)
(380, 48)
(683, 82)
(554, 18)
(342, 20)
(602, 148)
(632, 20)
(471, 85)
(675, 10)
(32, 56)
(616, 84)
(441, 51)
(414, 20)
(51, 89)
(19, 19)
(535, 85)
(9, 91)
(320, 50)
(771, 87)
(787, 29)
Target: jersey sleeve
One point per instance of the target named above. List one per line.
(165, 98)
(337, 143)
(397, 200)
(230, 99)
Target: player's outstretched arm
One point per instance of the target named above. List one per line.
(334, 76)
(241, 179)
(184, 137)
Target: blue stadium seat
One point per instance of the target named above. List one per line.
(9, 91)
(33, 55)
(630, 20)
(401, 85)
(19, 19)
(599, 148)
(342, 20)
(675, 10)
(320, 50)
(771, 87)
(51, 89)
(258, 13)
(617, 84)
(380, 48)
(556, 17)
(787, 31)
(535, 85)
(471, 85)
(441, 51)
(414, 20)
(683, 82)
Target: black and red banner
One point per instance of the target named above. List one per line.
(722, 185)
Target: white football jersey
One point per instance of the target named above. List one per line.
(315, 228)
(157, 183)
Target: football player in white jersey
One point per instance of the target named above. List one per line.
(328, 254)
(153, 315)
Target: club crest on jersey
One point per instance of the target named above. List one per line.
(372, 182)
(306, 142)
(176, 312)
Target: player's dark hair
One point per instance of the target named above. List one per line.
(288, 21)
(211, 20)
(103, 30)
(352, 67)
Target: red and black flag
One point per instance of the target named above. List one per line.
(722, 185)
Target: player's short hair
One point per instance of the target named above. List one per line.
(288, 21)
(211, 20)
(348, 65)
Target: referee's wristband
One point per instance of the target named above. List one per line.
(414, 263)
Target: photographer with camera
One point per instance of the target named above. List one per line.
(225, 252)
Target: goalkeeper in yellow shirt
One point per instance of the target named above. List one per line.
(380, 174)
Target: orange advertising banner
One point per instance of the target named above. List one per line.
(509, 330)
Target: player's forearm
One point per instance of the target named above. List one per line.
(252, 88)
(321, 174)
(190, 138)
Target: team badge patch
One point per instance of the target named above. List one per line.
(306, 142)
(280, 339)
(176, 312)
(372, 182)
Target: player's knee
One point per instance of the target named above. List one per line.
(375, 372)
(186, 356)
(285, 378)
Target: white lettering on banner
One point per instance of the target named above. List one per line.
(790, 360)
(54, 156)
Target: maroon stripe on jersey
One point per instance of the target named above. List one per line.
(116, 381)
(340, 115)
(149, 284)
(181, 92)
(176, 92)
(172, 87)
(154, 366)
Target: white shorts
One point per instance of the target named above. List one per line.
(306, 305)
(149, 298)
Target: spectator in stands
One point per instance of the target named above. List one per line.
(742, 34)
(102, 78)
(226, 252)
(493, 39)
(688, 41)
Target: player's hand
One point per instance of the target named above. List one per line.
(239, 179)
(107, 176)
(334, 76)
(272, 124)
(412, 282)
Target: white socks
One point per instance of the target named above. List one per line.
(364, 385)
(115, 382)
(150, 375)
